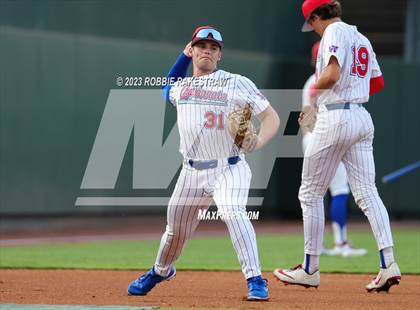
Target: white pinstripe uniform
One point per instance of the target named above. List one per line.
(343, 135)
(338, 185)
(202, 112)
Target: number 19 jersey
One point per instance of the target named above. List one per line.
(357, 62)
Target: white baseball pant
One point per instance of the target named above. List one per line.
(341, 135)
(339, 184)
(228, 185)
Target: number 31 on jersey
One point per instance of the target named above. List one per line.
(214, 120)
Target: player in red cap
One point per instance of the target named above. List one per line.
(214, 166)
(347, 73)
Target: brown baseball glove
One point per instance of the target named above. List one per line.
(241, 129)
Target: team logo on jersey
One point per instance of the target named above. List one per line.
(333, 48)
(189, 94)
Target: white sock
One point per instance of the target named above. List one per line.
(339, 233)
(311, 263)
(387, 257)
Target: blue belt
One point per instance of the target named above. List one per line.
(341, 106)
(208, 164)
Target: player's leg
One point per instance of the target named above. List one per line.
(306, 141)
(360, 167)
(320, 164)
(340, 191)
(188, 198)
(231, 196)
(182, 220)
(321, 159)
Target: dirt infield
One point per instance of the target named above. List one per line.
(198, 289)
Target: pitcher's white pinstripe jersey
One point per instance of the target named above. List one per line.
(357, 61)
(203, 104)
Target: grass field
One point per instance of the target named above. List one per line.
(209, 254)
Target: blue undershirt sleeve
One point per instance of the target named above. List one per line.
(178, 70)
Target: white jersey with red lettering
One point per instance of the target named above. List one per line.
(357, 61)
(344, 133)
(203, 104)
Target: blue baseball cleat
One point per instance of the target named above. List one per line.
(257, 288)
(146, 282)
